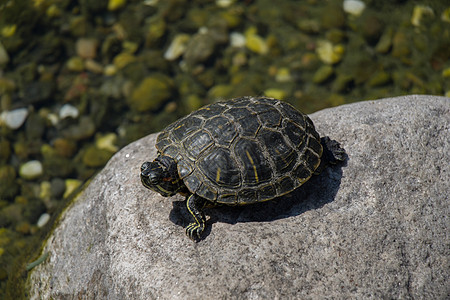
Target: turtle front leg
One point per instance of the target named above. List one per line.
(195, 205)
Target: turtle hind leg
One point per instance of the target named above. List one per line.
(333, 153)
(195, 205)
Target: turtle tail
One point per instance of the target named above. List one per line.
(332, 153)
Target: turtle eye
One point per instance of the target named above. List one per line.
(145, 166)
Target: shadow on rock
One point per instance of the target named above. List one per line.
(315, 193)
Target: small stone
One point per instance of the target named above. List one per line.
(220, 91)
(35, 126)
(322, 74)
(151, 2)
(71, 185)
(9, 30)
(445, 16)
(419, 12)
(23, 227)
(151, 93)
(43, 219)
(45, 191)
(275, 93)
(283, 75)
(177, 47)
(329, 53)
(130, 47)
(84, 129)
(371, 28)
(112, 87)
(255, 42)
(86, 47)
(54, 164)
(446, 72)
(116, 4)
(224, 3)
(156, 29)
(333, 16)
(95, 157)
(38, 91)
(93, 66)
(385, 42)
(31, 170)
(123, 59)
(13, 119)
(57, 187)
(7, 85)
(75, 64)
(107, 142)
(237, 40)
(68, 111)
(110, 70)
(193, 102)
(335, 35)
(53, 11)
(308, 25)
(240, 59)
(379, 79)
(354, 7)
(401, 45)
(8, 186)
(342, 83)
(199, 48)
(52, 118)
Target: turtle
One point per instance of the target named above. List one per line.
(237, 152)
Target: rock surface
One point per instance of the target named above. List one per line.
(375, 227)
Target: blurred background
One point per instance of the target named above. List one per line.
(81, 79)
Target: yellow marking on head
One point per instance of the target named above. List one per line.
(218, 175)
(162, 189)
(253, 164)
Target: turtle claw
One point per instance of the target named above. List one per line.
(194, 231)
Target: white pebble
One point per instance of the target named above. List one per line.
(237, 40)
(354, 7)
(43, 219)
(177, 47)
(68, 111)
(14, 118)
(53, 118)
(224, 3)
(31, 170)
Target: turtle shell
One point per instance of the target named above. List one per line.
(244, 150)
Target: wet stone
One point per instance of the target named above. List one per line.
(8, 186)
(323, 73)
(31, 170)
(56, 165)
(94, 157)
(34, 126)
(37, 92)
(84, 129)
(13, 119)
(57, 187)
(151, 93)
(199, 49)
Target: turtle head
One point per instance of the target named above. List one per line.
(161, 176)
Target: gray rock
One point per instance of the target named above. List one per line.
(373, 228)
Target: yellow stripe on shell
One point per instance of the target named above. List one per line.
(218, 175)
(253, 164)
